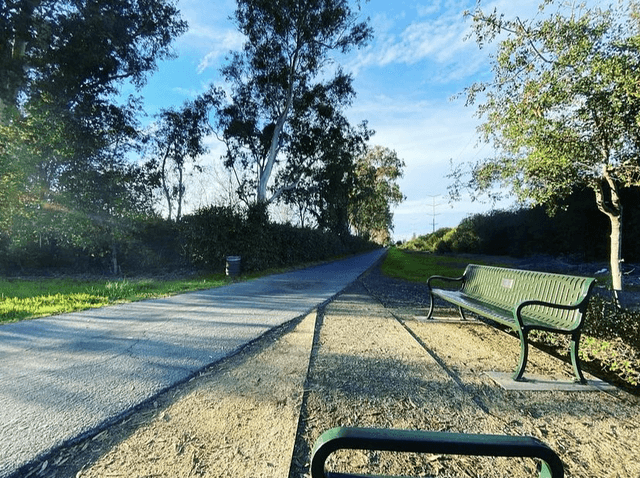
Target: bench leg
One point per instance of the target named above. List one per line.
(430, 314)
(462, 313)
(575, 342)
(524, 354)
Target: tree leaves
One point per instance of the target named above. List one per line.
(277, 86)
(375, 191)
(179, 136)
(563, 110)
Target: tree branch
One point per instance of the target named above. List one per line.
(531, 44)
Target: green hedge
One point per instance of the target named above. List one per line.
(577, 229)
(211, 234)
(202, 240)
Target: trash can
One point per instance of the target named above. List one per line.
(233, 266)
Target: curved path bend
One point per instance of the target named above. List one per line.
(63, 377)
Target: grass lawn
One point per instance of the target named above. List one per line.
(27, 299)
(419, 266)
(22, 299)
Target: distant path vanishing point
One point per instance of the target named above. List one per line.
(65, 376)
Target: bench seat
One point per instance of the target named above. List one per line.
(496, 313)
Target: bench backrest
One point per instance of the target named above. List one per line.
(506, 288)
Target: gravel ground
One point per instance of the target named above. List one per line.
(377, 366)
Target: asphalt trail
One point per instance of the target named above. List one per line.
(64, 377)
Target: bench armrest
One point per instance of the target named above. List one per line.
(417, 441)
(529, 303)
(445, 278)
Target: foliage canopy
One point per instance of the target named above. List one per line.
(563, 108)
(283, 93)
(64, 134)
(375, 192)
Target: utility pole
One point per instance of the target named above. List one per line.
(433, 210)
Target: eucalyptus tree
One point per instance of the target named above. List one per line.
(179, 137)
(331, 179)
(81, 51)
(286, 63)
(376, 191)
(63, 63)
(563, 108)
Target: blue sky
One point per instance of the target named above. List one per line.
(404, 79)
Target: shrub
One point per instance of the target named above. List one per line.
(606, 321)
(427, 243)
(463, 239)
(610, 341)
(203, 239)
(212, 234)
(156, 244)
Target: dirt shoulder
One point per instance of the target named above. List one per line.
(369, 371)
(259, 412)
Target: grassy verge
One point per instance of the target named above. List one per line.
(419, 266)
(27, 299)
(22, 299)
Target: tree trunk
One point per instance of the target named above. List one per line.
(180, 193)
(616, 253)
(274, 148)
(265, 173)
(165, 186)
(114, 257)
(18, 44)
(613, 209)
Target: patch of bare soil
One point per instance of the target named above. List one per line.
(370, 365)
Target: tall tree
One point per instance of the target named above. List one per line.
(100, 210)
(375, 192)
(563, 108)
(276, 76)
(80, 51)
(63, 62)
(179, 137)
(13, 169)
(322, 168)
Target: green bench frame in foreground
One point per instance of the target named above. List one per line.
(417, 441)
(522, 300)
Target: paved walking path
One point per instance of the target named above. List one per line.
(62, 377)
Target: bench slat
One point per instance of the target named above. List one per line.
(506, 288)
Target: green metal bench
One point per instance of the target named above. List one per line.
(522, 300)
(416, 441)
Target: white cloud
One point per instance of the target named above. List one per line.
(439, 34)
(186, 92)
(429, 9)
(220, 44)
(211, 33)
(438, 38)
